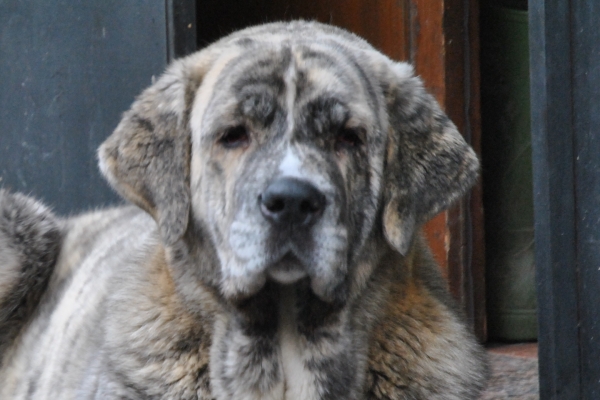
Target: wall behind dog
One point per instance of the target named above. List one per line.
(68, 69)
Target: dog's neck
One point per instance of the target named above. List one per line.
(303, 351)
(283, 342)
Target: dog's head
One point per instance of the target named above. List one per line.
(293, 146)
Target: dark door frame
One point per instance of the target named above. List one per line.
(565, 100)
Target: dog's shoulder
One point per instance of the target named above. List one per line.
(112, 232)
(422, 346)
(150, 341)
(153, 341)
(77, 260)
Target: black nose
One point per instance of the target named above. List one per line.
(291, 201)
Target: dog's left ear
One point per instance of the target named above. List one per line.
(147, 158)
(429, 165)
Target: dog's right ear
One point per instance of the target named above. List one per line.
(147, 158)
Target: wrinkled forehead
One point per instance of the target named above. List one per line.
(256, 79)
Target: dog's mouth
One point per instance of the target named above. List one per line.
(288, 270)
(320, 259)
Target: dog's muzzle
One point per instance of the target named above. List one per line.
(291, 206)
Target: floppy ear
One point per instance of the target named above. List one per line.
(429, 164)
(147, 158)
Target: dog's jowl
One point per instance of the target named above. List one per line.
(281, 178)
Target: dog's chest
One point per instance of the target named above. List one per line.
(296, 354)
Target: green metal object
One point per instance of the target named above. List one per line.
(507, 170)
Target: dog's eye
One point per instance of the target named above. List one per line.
(235, 137)
(348, 138)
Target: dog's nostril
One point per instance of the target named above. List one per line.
(275, 205)
(307, 207)
(291, 201)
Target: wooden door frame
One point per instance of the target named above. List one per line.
(444, 48)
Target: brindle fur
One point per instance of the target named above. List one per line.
(181, 301)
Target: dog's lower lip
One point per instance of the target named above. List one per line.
(286, 271)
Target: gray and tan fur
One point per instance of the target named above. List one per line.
(285, 172)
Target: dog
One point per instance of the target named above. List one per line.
(279, 179)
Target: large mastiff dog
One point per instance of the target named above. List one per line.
(281, 177)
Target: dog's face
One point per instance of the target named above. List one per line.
(293, 146)
(287, 155)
